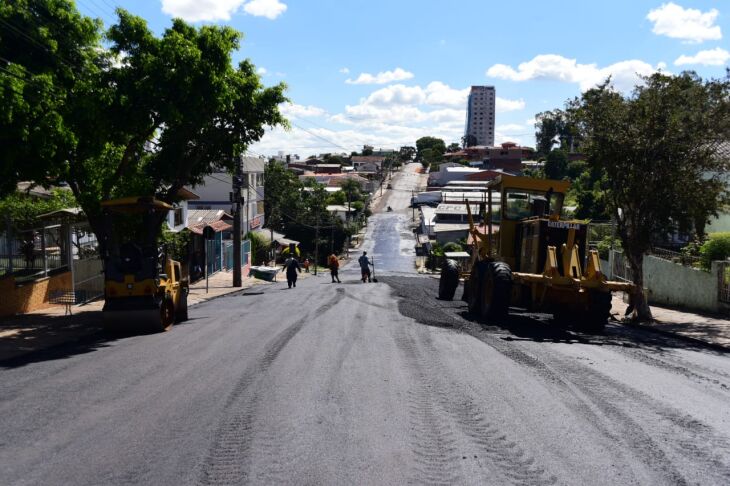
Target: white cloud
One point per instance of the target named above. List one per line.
(389, 117)
(510, 127)
(441, 94)
(261, 70)
(345, 70)
(212, 10)
(294, 110)
(383, 77)
(711, 57)
(265, 8)
(624, 74)
(689, 25)
(503, 105)
(198, 10)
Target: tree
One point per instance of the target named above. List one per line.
(658, 148)
(556, 127)
(436, 145)
(406, 154)
(148, 115)
(47, 59)
(453, 147)
(468, 140)
(23, 210)
(367, 150)
(351, 188)
(556, 164)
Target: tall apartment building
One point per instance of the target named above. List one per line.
(480, 114)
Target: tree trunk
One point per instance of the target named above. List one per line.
(638, 300)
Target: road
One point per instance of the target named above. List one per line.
(358, 383)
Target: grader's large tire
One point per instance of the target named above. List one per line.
(472, 288)
(495, 291)
(449, 280)
(598, 313)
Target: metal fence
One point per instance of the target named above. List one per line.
(723, 282)
(621, 269)
(33, 253)
(676, 257)
(228, 254)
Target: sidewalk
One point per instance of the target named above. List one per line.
(50, 327)
(709, 329)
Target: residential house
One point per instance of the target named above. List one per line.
(367, 163)
(215, 192)
(177, 219)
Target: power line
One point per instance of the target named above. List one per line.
(34, 41)
(320, 137)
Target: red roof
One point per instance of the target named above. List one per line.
(217, 226)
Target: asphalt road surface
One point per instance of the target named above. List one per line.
(358, 383)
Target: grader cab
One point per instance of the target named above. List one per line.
(525, 255)
(143, 286)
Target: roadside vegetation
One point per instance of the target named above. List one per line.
(122, 112)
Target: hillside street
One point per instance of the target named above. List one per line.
(376, 383)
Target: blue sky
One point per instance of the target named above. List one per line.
(388, 72)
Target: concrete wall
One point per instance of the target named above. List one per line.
(669, 283)
(674, 284)
(19, 299)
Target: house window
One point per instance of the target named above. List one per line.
(178, 216)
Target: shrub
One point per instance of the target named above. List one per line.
(717, 247)
(605, 245)
(452, 246)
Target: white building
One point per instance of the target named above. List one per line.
(480, 110)
(177, 218)
(216, 189)
(457, 172)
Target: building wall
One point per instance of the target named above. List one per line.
(480, 114)
(719, 224)
(20, 299)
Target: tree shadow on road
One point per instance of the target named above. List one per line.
(34, 338)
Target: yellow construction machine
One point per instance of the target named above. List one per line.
(143, 287)
(526, 256)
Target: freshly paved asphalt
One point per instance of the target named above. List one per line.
(358, 383)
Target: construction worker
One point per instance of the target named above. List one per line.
(334, 265)
(365, 264)
(291, 265)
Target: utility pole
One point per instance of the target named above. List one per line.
(237, 182)
(316, 244)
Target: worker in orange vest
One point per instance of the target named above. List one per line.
(334, 264)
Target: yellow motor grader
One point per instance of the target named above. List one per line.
(143, 287)
(526, 256)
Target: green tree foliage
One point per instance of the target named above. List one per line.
(556, 127)
(22, 210)
(406, 154)
(436, 145)
(556, 164)
(717, 247)
(297, 208)
(49, 61)
(453, 147)
(658, 150)
(146, 116)
(469, 140)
